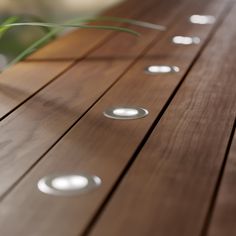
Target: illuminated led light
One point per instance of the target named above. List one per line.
(202, 19)
(125, 113)
(186, 40)
(65, 185)
(72, 182)
(161, 69)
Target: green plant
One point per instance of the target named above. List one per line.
(75, 23)
(6, 25)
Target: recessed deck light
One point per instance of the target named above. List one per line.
(69, 184)
(161, 69)
(186, 40)
(125, 113)
(202, 19)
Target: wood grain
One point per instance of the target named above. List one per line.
(224, 214)
(49, 114)
(168, 189)
(98, 145)
(24, 80)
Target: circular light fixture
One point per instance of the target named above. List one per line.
(68, 184)
(186, 40)
(125, 113)
(202, 19)
(161, 69)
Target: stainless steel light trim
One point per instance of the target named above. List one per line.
(125, 113)
(161, 69)
(68, 184)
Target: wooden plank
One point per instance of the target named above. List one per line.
(63, 102)
(224, 214)
(169, 188)
(78, 44)
(24, 80)
(97, 145)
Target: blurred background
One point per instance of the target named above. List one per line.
(19, 38)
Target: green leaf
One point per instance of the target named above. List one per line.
(129, 21)
(78, 23)
(95, 19)
(37, 44)
(52, 25)
(6, 25)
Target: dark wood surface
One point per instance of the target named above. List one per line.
(24, 80)
(168, 174)
(57, 107)
(223, 219)
(174, 177)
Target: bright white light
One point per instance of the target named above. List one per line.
(202, 19)
(125, 112)
(186, 40)
(69, 183)
(162, 69)
(159, 69)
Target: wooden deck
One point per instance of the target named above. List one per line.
(171, 173)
